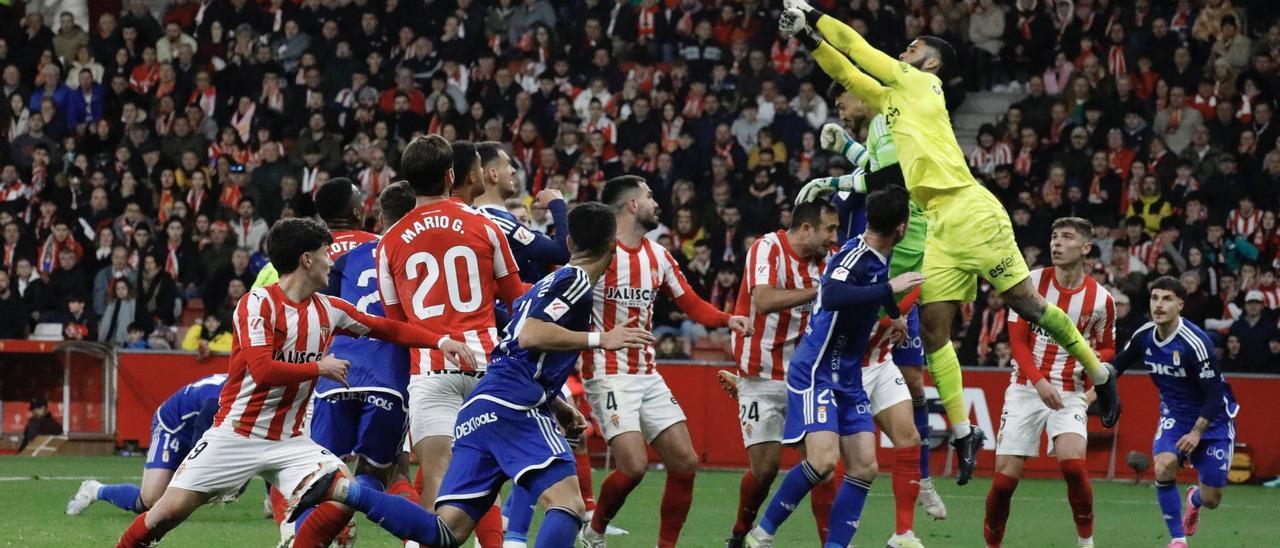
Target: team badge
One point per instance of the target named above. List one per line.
(822, 413)
(324, 332)
(1177, 358)
(748, 428)
(615, 420)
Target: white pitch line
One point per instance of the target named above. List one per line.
(67, 478)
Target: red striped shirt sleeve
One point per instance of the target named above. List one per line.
(349, 321)
(1105, 331)
(676, 287)
(1020, 341)
(387, 285)
(255, 329)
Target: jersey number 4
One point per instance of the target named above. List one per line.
(449, 270)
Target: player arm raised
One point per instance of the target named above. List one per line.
(840, 69)
(841, 291)
(847, 41)
(544, 250)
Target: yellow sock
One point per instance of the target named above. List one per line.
(944, 367)
(1059, 326)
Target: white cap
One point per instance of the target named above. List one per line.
(1254, 295)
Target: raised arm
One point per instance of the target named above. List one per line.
(840, 69)
(849, 42)
(1132, 353)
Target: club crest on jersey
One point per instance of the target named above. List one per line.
(1177, 358)
(324, 332)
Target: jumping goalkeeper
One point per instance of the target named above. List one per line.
(969, 233)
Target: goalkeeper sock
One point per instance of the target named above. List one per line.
(944, 367)
(1059, 326)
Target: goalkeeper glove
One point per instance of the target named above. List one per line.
(834, 139)
(823, 187)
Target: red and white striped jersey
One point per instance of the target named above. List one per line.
(772, 262)
(1244, 224)
(1092, 309)
(439, 268)
(1270, 296)
(627, 290)
(268, 399)
(346, 240)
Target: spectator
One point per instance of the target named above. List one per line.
(40, 423)
(13, 320)
(249, 228)
(208, 336)
(78, 324)
(136, 337)
(1253, 329)
(30, 287)
(157, 295)
(1178, 122)
(117, 268)
(120, 313)
(1151, 206)
(1232, 357)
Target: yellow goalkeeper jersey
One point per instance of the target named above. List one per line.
(912, 102)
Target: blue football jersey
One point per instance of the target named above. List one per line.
(852, 210)
(534, 251)
(181, 410)
(835, 341)
(1184, 369)
(522, 378)
(375, 364)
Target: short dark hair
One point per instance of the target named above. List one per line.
(592, 227)
(1082, 226)
(617, 189)
(946, 55)
(887, 208)
(426, 163)
(489, 151)
(290, 238)
(464, 156)
(335, 199)
(1134, 221)
(396, 201)
(811, 213)
(1169, 283)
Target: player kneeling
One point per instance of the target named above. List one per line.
(505, 429)
(827, 408)
(1047, 390)
(1197, 408)
(176, 426)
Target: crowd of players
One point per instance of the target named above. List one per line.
(630, 437)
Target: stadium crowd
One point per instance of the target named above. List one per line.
(149, 153)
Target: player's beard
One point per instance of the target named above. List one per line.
(650, 221)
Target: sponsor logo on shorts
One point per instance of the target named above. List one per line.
(474, 423)
(374, 399)
(1003, 268)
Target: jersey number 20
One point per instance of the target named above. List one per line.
(451, 275)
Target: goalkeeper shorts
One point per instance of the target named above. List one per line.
(970, 235)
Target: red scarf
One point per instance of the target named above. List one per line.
(171, 261)
(195, 200)
(48, 259)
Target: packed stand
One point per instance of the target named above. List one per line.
(149, 154)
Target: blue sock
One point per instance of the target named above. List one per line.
(1171, 507)
(1195, 499)
(400, 516)
(363, 480)
(795, 485)
(559, 528)
(846, 511)
(125, 496)
(519, 511)
(921, 408)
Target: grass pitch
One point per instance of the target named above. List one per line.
(34, 492)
